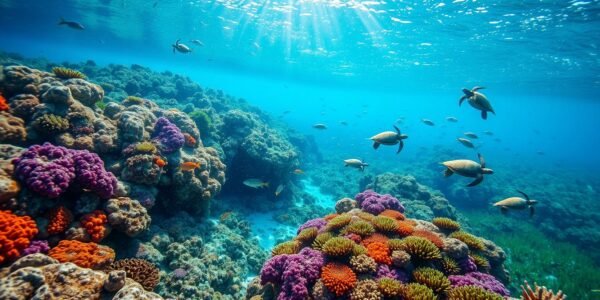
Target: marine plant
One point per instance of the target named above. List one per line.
(66, 73)
(51, 124)
(133, 100)
(100, 104)
(140, 270)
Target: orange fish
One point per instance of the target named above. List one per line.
(159, 162)
(298, 172)
(189, 166)
(3, 104)
(190, 141)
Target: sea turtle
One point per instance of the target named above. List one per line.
(467, 168)
(477, 100)
(182, 48)
(355, 163)
(389, 138)
(517, 203)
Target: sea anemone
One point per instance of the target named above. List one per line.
(321, 239)
(289, 247)
(362, 228)
(380, 252)
(482, 263)
(420, 248)
(375, 237)
(363, 264)
(417, 291)
(432, 278)
(432, 237)
(307, 235)
(394, 214)
(385, 224)
(472, 292)
(405, 228)
(66, 73)
(338, 246)
(338, 278)
(339, 222)
(389, 287)
(472, 241)
(449, 266)
(446, 224)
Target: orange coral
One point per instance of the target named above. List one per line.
(338, 278)
(95, 225)
(16, 233)
(330, 216)
(432, 237)
(3, 105)
(394, 214)
(405, 228)
(190, 141)
(59, 219)
(380, 252)
(375, 237)
(87, 255)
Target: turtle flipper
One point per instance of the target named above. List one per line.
(524, 195)
(376, 145)
(462, 99)
(484, 114)
(477, 88)
(448, 172)
(504, 210)
(400, 147)
(397, 129)
(481, 160)
(476, 181)
(531, 211)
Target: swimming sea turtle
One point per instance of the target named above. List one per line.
(179, 47)
(468, 168)
(477, 100)
(517, 203)
(355, 163)
(389, 138)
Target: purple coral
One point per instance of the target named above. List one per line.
(39, 246)
(50, 170)
(386, 271)
(467, 265)
(168, 135)
(180, 273)
(318, 223)
(483, 280)
(375, 203)
(294, 272)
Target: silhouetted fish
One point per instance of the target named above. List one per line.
(71, 24)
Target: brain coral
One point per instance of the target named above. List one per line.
(87, 255)
(127, 215)
(16, 233)
(12, 129)
(140, 270)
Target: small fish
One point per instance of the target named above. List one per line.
(286, 112)
(428, 122)
(320, 126)
(471, 135)
(467, 143)
(189, 166)
(225, 216)
(197, 42)
(255, 183)
(488, 132)
(452, 119)
(298, 172)
(159, 162)
(71, 24)
(344, 123)
(279, 189)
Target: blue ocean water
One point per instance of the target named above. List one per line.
(360, 67)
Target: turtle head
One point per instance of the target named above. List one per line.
(532, 202)
(487, 171)
(467, 92)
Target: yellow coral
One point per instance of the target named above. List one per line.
(420, 248)
(446, 224)
(338, 246)
(449, 266)
(417, 291)
(133, 100)
(289, 247)
(385, 224)
(472, 292)
(389, 287)
(321, 239)
(481, 262)
(145, 147)
(433, 279)
(51, 124)
(362, 228)
(339, 222)
(307, 235)
(66, 73)
(472, 241)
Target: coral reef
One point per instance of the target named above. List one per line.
(87, 255)
(127, 215)
(380, 263)
(140, 270)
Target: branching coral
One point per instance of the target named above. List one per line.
(472, 292)
(87, 255)
(338, 247)
(16, 233)
(433, 279)
(66, 73)
(540, 293)
(140, 270)
(59, 219)
(472, 241)
(420, 248)
(446, 224)
(338, 278)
